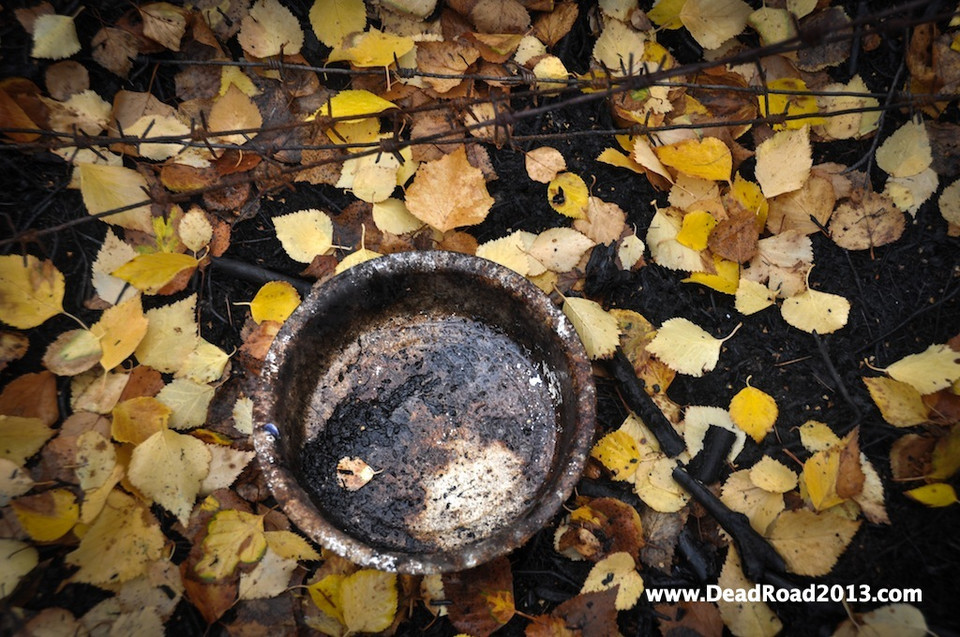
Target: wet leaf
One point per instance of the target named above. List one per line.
(47, 516)
(31, 291)
(617, 451)
(354, 473)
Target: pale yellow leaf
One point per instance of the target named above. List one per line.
(16, 560)
(169, 468)
(685, 347)
(654, 484)
(243, 415)
(290, 545)
(391, 215)
(31, 290)
(892, 620)
(195, 230)
(109, 187)
(371, 178)
(664, 247)
(269, 29)
(232, 537)
(544, 163)
(906, 152)
(234, 110)
(96, 392)
(616, 570)
(153, 126)
(14, 481)
(784, 162)
(742, 616)
(597, 328)
(448, 193)
(112, 254)
(900, 403)
(54, 37)
(119, 545)
(149, 273)
(332, 20)
(164, 23)
(713, 22)
(372, 48)
(205, 364)
(760, 506)
(74, 352)
(933, 369)
(773, 476)
(617, 451)
(188, 402)
(630, 251)
(645, 156)
(96, 456)
(269, 578)
(815, 311)
(512, 252)
(20, 438)
(138, 418)
(304, 234)
(619, 48)
(226, 464)
(697, 420)
(560, 249)
(355, 258)
(909, 193)
(949, 203)
(871, 498)
(817, 436)
(811, 543)
(368, 600)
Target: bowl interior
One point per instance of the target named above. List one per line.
(427, 411)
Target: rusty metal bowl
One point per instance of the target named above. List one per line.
(457, 383)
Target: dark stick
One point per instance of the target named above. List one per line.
(825, 354)
(256, 274)
(757, 556)
(633, 394)
(717, 442)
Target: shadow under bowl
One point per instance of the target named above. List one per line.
(424, 412)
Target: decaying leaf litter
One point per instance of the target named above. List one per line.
(784, 248)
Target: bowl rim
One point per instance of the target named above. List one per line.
(294, 499)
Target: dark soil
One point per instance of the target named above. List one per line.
(904, 297)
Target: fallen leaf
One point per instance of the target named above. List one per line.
(149, 273)
(753, 411)
(106, 188)
(232, 537)
(31, 290)
(512, 252)
(740, 615)
(17, 559)
(872, 221)
(938, 494)
(47, 516)
(120, 543)
(784, 162)
(355, 258)
(269, 578)
(794, 100)
(169, 468)
(234, 110)
(164, 23)
(20, 438)
(587, 614)
(664, 247)
(74, 352)
(725, 279)
(630, 251)
(707, 158)
(935, 368)
(598, 330)
(906, 152)
(112, 254)
(619, 48)
(544, 163)
(617, 570)
(499, 16)
(805, 210)
(119, 331)
(226, 465)
(686, 347)
(695, 229)
(567, 194)
(773, 476)
(761, 506)
(811, 543)
(448, 193)
(274, 301)
(290, 545)
(333, 20)
(16, 481)
(713, 22)
(560, 249)
(13, 346)
(353, 473)
(751, 297)
(949, 203)
(892, 620)
(304, 234)
(364, 601)
(54, 37)
(372, 48)
(391, 215)
(654, 484)
(550, 27)
(617, 451)
(270, 29)
(188, 402)
(814, 311)
(900, 404)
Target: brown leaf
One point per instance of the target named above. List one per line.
(910, 456)
(13, 345)
(735, 238)
(143, 381)
(945, 147)
(817, 58)
(587, 614)
(871, 222)
(114, 50)
(212, 599)
(445, 57)
(31, 396)
(850, 476)
(481, 598)
(550, 27)
(793, 210)
(661, 531)
(449, 193)
(499, 16)
(65, 78)
(687, 619)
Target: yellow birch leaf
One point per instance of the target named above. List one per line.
(169, 468)
(816, 436)
(938, 494)
(232, 537)
(751, 297)
(54, 37)
(369, 601)
(234, 110)
(15, 482)
(291, 546)
(616, 570)
(568, 195)
(685, 347)
(726, 280)
(31, 291)
(325, 594)
(20, 438)
(666, 13)
(164, 23)
(188, 402)
(613, 157)
(122, 541)
(243, 415)
(560, 249)
(749, 195)
(112, 254)
(269, 28)
(644, 155)
(697, 420)
(137, 419)
(304, 234)
(511, 252)
(333, 20)
(695, 229)
(900, 404)
(95, 459)
(820, 474)
(598, 329)
(773, 25)
(814, 311)
(47, 516)
(617, 451)
(753, 411)
(707, 158)
(152, 126)
(354, 105)
(545, 163)
(784, 162)
(931, 370)
(226, 464)
(391, 215)
(275, 301)
(790, 104)
(892, 620)
(355, 258)
(773, 476)
(205, 364)
(742, 616)
(372, 48)
(664, 247)
(234, 75)
(171, 335)
(946, 456)
(74, 352)
(760, 506)
(811, 543)
(150, 272)
(120, 330)
(654, 484)
(449, 192)
(630, 251)
(906, 152)
(713, 22)
(16, 560)
(109, 187)
(269, 578)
